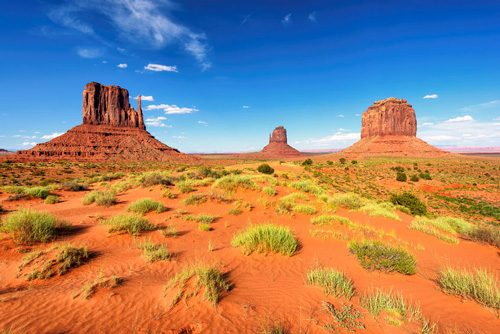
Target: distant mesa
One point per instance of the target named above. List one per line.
(111, 131)
(277, 148)
(389, 128)
(5, 152)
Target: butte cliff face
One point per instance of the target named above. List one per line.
(278, 146)
(111, 131)
(389, 128)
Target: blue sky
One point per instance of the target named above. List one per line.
(223, 74)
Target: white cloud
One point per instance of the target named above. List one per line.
(203, 123)
(52, 136)
(286, 20)
(341, 129)
(357, 115)
(246, 107)
(341, 115)
(89, 53)
(28, 144)
(122, 65)
(481, 106)
(496, 119)
(156, 121)
(431, 96)
(171, 109)
(312, 17)
(439, 138)
(337, 137)
(145, 98)
(104, 61)
(161, 68)
(461, 119)
(179, 137)
(426, 124)
(147, 23)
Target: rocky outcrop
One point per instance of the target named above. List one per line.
(389, 128)
(109, 105)
(277, 148)
(111, 131)
(389, 117)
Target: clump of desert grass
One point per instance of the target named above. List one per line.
(195, 199)
(328, 220)
(206, 277)
(266, 238)
(120, 186)
(487, 234)
(477, 284)
(169, 231)
(270, 190)
(383, 209)
(307, 186)
(51, 199)
(146, 205)
(40, 192)
(204, 218)
(444, 228)
(149, 179)
(379, 256)
(153, 252)
(69, 256)
(185, 186)
(333, 282)
(305, 209)
(29, 226)
(349, 200)
(377, 301)
(75, 186)
(88, 290)
(132, 224)
(102, 198)
(233, 182)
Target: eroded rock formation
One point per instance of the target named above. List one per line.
(389, 128)
(278, 146)
(111, 131)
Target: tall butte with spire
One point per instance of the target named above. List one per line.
(389, 128)
(278, 147)
(112, 130)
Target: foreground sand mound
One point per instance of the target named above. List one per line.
(111, 131)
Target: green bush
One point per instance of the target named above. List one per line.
(414, 178)
(146, 205)
(51, 199)
(268, 237)
(40, 192)
(28, 226)
(270, 191)
(265, 169)
(184, 186)
(149, 179)
(401, 177)
(349, 200)
(425, 176)
(100, 198)
(410, 201)
(74, 186)
(384, 257)
(307, 162)
(132, 224)
(306, 209)
(308, 187)
(342, 160)
(69, 256)
(233, 182)
(204, 227)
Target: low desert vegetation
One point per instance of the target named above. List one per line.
(444, 228)
(185, 186)
(149, 179)
(206, 277)
(266, 238)
(308, 187)
(487, 234)
(233, 182)
(75, 186)
(383, 209)
(349, 200)
(146, 205)
(69, 256)
(88, 290)
(380, 256)
(120, 186)
(333, 282)
(132, 224)
(345, 319)
(51, 199)
(410, 201)
(153, 252)
(195, 199)
(477, 284)
(394, 303)
(328, 220)
(265, 169)
(204, 227)
(102, 198)
(40, 192)
(305, 209)
(170, 231)
(204, 218)
(29, 226)
(270, 191)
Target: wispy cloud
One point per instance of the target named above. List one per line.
(89, 52)
(160, 68)
(485, 105)
(179, 137)
(245, 19)
(203, 123)
(461, 119)
(341, 115)
(312, 17)
(147, 23)
(52, 136)
(440, 138)
(425, 124)
(431, 96)
(122, 65)
(29, 144)
(156, 121)
(496, 119)
(246, 107)
(145, 98)
(337, 137)
(287, 19)
(171, 109)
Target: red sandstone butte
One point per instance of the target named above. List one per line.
(277, 148)
(389, 128)
(111, 131)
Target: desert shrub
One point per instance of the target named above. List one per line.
(235, 211)
(342, 160)
(267, 237)
(265, 169)
(349, 200)
(201, 218)
(384, 257)
(149, 179)
(170, 231)
(40, 192)
(51, 199)
(132, 224)
(447, 223)
(270, 191)
(28, 226)
(307, 186)
(69, 256)
(102, 198)
(307, 162)
(401, 177)
(306, 209)
(204, 172)
(184, 187)
(414, 178)
(410, 201)
(487, 234)
(206, 276)
(233, 182)
(204, 227)
(75, 186)
(477, 284)
(354, 162)
(291, 198)
(377, 301)
(153, 252)
(168, 194)
(146, 205)
(384, 209)
(425, 176)
(120, 186)
(328, 220)
(333, 282)
(195, 199)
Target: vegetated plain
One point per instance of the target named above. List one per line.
(332, 245)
